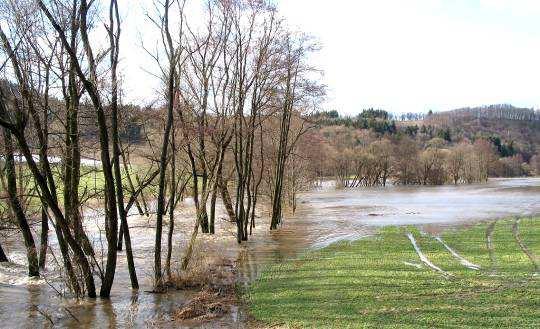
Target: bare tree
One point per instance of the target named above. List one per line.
(14, 201)
(295, 91)
(89, 81)
(170, 73)
(16, 125)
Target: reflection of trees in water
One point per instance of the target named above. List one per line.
(524, 248)
(252, 262)
(247, 270)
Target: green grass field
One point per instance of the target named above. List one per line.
(381, 282)
(91, 185)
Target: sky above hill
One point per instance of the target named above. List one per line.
(401, 56)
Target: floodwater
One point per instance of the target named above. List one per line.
(325, 215)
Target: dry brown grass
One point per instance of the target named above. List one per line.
(216, 279)
(207, 304)
(204, 271)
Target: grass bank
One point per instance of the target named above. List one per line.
(464, 280)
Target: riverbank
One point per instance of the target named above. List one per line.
(481, 275)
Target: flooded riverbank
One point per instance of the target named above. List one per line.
(324, 216)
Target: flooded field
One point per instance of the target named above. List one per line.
(324, 216)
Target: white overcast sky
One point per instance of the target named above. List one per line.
(401, 56)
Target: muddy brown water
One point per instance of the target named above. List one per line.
(325, 215)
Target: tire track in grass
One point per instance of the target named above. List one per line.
(413, 264)
(424, 258)
(460, 258)
(489, 245)
(524, 248)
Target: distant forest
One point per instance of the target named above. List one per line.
(504, 140)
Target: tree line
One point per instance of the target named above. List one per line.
(402, 161)
(512, 142)
(364, 157)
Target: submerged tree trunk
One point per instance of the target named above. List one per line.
(277, 194)
(114, 39)
(72, 166)
(226, 198)
(90, 85)
(259, 180)
(213, 209)
(172, 204)
(283, 147)
(44, 238)
(16, 207)
(68, 264)
(3, 257)
(215, 183)
(161, 187)
(243, 149)
(164, 148)
(203, 202)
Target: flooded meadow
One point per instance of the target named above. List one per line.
(324, 216)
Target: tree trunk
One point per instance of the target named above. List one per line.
(277, 194)
(215, 183)
(16, 207)
(170, 78)
(203, 215)
(172, 204)
(68, 265)
(44, 236)
(203, 202)
(191, 243)
(90, 85)
(259, 180)
(226, 198)
(143, 199)
(161, 186)
(131, 187)
(72, 167)
(114, 42)
(213, 209)
(3, 257)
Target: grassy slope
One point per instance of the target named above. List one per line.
(366, 284)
